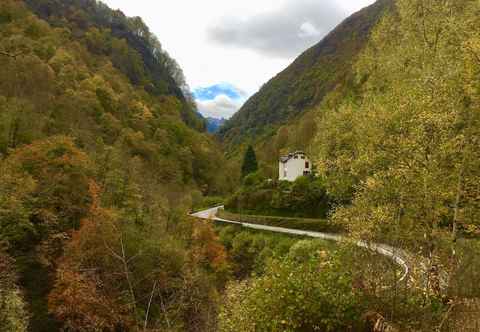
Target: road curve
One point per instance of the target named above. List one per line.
(383, 249)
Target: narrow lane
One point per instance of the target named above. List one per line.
(383, 249)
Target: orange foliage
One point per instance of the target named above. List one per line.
(207, 247)
(82, 298)
(77, 301)
(62, 173)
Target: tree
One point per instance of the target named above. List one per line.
(406, 152)
(306, 291)
(250, 164)
(13, 314)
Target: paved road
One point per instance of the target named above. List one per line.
(395, 254)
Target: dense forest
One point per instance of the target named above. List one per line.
(101, 156)
(129, 44)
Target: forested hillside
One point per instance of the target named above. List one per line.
(100, 158)
(405, 147)
(306, 81)
(399, 157)
(129, 44)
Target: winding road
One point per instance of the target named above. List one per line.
(395, 254)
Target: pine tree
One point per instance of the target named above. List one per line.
(250, 164)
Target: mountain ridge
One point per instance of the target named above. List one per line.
(149, 65)
(304, 83)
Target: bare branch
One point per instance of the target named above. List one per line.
(149, 304)
(473, 53)
(11, 55)
(446, 316)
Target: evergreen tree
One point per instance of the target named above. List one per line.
(250, 164)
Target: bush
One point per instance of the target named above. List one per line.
(316, 295)
(306, 197)
(250, 251)
(200, 202)
(253, 179)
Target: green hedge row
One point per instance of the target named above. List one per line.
(306, 224)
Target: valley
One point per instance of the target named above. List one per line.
(343, 195)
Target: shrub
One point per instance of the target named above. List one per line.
(316, 295)
(306, 197)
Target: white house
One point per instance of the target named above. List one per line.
(294, 165)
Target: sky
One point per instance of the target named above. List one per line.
(229, 48)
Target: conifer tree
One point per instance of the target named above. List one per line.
(250, 164)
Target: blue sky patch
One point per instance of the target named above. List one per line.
(211, 92)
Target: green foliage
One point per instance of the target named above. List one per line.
(406, 151)
(249, 165)
(402, 152)
(307, 291)
(16, 189)
(58, 86)
(250, 252)
(142, 270)
(129, 44)
(13, 313)
(306, 197)
(96, 130)
(253, 179)
(36, 193)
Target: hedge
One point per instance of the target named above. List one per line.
(306, 224)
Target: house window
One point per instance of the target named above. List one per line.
(307, 164)
(285, 174)
(296, 157)
(303, 157)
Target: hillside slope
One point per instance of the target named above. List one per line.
(307, 80)
(129, 43)
(98, 164)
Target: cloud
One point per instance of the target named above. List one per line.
(209, 93)
(308, 30)
(282, 32)
(219, 100)
(222, 106)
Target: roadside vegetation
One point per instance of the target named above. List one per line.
(306, 197)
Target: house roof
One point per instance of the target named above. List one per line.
(286, 158)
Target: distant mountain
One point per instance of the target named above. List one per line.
(214, 124)
(307, 80)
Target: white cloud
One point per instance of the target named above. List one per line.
(182, 27)
(308, 30)
(275, 33)
(220, 107)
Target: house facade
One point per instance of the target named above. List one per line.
(293, 166)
